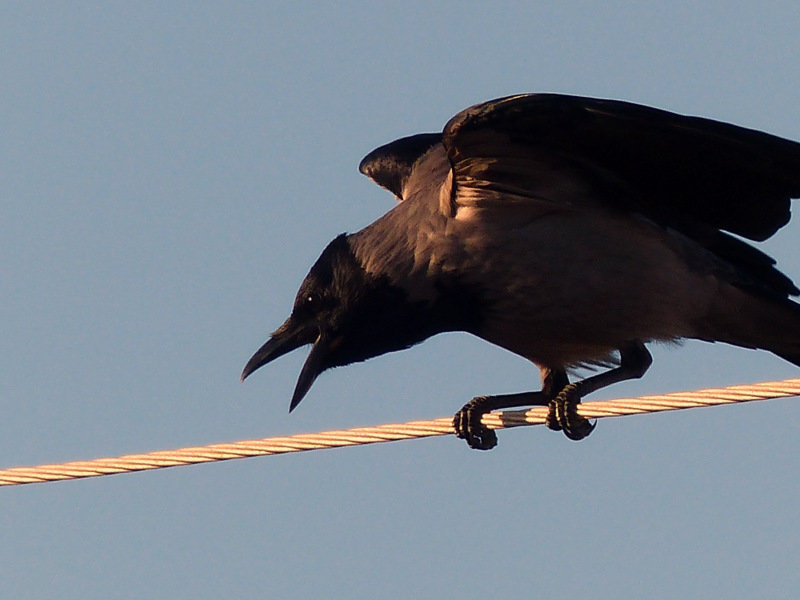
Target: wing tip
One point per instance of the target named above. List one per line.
(390, 165)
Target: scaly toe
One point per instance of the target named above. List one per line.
(468, 426)
(563, 414)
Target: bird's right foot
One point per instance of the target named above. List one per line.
(563, 414)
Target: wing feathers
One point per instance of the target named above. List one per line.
(670, 167)
(527, 155)
(390, 165)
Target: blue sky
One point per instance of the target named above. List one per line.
(168, 173)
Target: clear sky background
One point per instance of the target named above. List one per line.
(169, 172)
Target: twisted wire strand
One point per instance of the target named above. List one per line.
(388, 433)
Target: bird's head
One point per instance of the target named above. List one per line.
(348, 315)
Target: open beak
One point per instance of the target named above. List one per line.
(288, 337)
(314, 365)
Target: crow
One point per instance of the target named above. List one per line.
(571, 231)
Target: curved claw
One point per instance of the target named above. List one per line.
(563, 414)
(468, 426)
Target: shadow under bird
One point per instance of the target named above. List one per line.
(568, 230)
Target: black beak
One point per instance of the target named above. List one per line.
(288, 337)
(314, 365)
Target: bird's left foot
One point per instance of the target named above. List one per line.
(468, 426)
(563, 414)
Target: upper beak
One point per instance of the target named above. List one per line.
(288, 337)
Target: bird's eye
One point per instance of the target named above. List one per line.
(308, 304)
(312, 302)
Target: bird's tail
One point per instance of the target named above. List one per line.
(754, 321)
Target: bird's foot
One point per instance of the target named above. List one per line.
(563, 414)
(468, 426)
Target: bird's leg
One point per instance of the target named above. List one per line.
(467, 421)
(634, 360)
(557, 393)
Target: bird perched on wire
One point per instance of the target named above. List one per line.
(568, 230)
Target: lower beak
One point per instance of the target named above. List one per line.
(314, 365)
